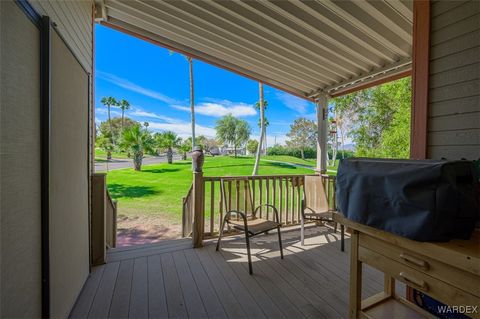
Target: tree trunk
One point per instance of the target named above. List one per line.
(302, 153)
(109, 155)
(184, 156)
(262, 130)
(264, 139)
(235, 151)
(192, 101)
(123, 116)
(110, 124)
(137, 160)
(343, 142)
(169, 155)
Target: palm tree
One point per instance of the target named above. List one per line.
(262, 129)
(137, 141)
(185, 147)
(266, 123)
(192, 100)
(109, 102)
(168, 140)
(124, 105)
(232, 131)
(146, 124)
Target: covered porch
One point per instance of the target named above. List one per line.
(174, 280)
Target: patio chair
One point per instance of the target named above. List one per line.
(241, 215)
(315, 206)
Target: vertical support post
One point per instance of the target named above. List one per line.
(98, 235)
(198, 197)
(322, 127)
(355, 279)
(420, 78)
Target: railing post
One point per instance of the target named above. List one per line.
(198, 197)
(98, 237)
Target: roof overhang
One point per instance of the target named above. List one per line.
(304, 47)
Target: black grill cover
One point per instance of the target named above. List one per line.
(427, 200)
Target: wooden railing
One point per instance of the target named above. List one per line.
(103, 220)
(111, 221)
(285, 192)
(187, 213)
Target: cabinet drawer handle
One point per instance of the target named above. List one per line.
(415, 261)
(414, 282)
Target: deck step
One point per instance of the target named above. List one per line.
(148, 250)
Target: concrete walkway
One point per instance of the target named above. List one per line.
(119, 163)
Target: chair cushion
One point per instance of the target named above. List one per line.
(255, 226)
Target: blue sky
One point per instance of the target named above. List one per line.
(156, 83)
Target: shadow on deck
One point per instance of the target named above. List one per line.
(173, 280)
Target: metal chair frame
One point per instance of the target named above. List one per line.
(244, 216)
(320, 213)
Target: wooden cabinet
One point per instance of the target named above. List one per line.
(448, 272)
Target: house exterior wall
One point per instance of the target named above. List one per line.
(20, 174)
(20, 250)
(73, 20)
(454, 81)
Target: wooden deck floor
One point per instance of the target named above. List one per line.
(176, 281)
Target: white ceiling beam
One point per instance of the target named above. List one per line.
(335, 39)
(327, 60)
(344, 61)
(313, 56)
(355, 20)
(391, 21)
(225, 22)
(402, 7)
(362, 79)
(333, 21)
(253, 48)
(123, 10)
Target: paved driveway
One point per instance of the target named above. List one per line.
(118, 163)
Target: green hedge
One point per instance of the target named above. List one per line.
(308, 152)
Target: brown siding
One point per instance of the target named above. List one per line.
(20, 256)
(454, 93)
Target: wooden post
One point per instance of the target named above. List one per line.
(198, 197)
(355, 278)
(420, 78)
(322, 128)
(98, 237)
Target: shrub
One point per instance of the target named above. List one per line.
(309, 152)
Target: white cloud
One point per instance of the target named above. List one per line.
(141, 113)
(126, 84)
(221, 108)
(183, 129)
(102, 110)
(293, 102)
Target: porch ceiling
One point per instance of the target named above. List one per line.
(304, 47)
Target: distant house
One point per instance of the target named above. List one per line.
(228, 150)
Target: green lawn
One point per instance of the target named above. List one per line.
(158, 189)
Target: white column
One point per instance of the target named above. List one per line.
(322, 127)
